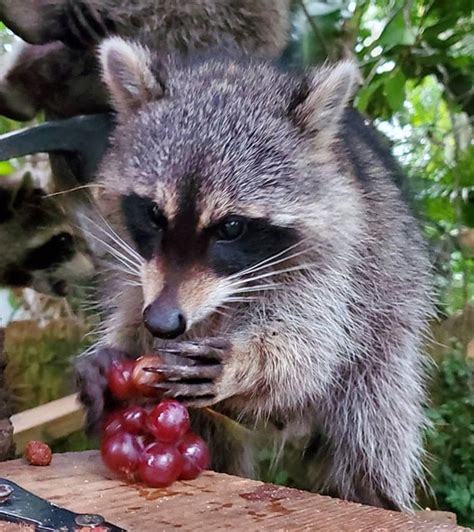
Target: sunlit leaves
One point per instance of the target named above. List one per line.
(416, 62)
(5, 168)
(396, 32)
(394, 89)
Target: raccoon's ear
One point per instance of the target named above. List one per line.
(24, 190)
(126, 70)
(318, 105)
(5, 202)
(12, 198)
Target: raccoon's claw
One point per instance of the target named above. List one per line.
(91, 381)
(192, 385)
(199, 365)
(210, 371)
(187, 392)
(207, 349)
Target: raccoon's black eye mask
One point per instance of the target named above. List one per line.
(257, 240)
(58, 249)
(229, 246)
(145, 223)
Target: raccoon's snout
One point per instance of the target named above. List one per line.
(164, 318)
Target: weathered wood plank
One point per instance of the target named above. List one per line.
(47, 422)
(212, 502)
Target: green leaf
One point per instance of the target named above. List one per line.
(394, 90)
(5, 168)
(396, 32)
(281, 478)
(366, 93)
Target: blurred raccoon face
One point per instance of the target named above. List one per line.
(41, 250)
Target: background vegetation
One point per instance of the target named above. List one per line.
(416, 61)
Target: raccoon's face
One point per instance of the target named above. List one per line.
(40, 249)
(209, 177)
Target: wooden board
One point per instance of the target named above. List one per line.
(47, 422)
(81, 483)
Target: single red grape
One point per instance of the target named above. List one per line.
(119, 379)
(195, 454)
(160, 465)
(134, 420)
(143, 381)
(168, 421)
(121, 452)
(113, 423)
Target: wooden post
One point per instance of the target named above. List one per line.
(7, 447)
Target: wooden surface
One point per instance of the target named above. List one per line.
(47, 422)
(80, 482)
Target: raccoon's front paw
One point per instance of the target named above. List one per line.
(91, 379)
(194, 377)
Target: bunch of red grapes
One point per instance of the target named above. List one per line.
(153, 445)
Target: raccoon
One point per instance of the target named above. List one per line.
(272, 260)
(61, 66)
(40, 248)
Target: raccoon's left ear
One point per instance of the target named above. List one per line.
(13, 197)
(5, 203)
(23, 191)
(319, 104)
(127, 72)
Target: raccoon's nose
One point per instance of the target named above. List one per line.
(164, 321)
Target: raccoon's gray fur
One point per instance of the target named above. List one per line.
(65, 79)
(311, 319)
(41, 249)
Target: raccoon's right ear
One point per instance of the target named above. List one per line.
(127, 72)
(317, 106)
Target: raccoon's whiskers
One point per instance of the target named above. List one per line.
(135, 284)
(241, 299)
(299, 267)
(75, 189)
(124, 259)
(130, 277)
(222, 313)
(129, 251)
(115, 237)
(270, 261)
(257, 288)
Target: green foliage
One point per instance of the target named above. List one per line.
(416, 62)
(39, 360)
(76, 442)
(451, 441)
(433, 144)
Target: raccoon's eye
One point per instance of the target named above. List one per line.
(156, 217)
(231, 229)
